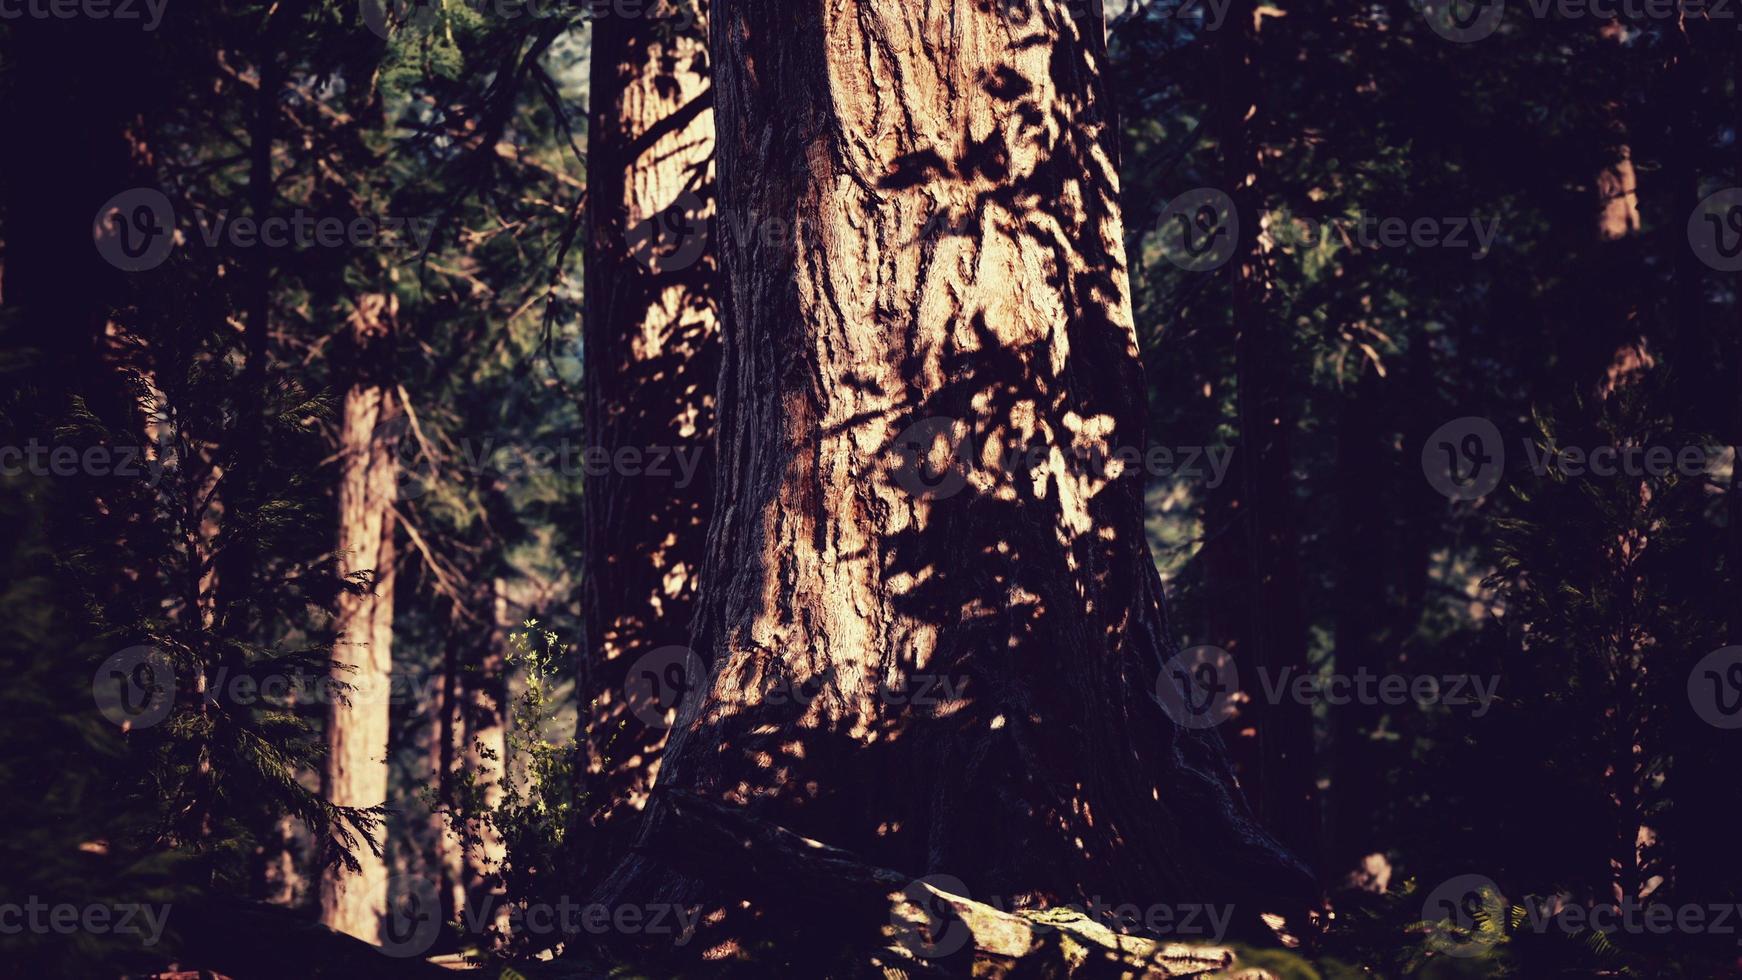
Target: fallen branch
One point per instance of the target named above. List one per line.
(922, 924)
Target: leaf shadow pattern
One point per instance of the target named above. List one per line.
(924, 396)
(651, 349)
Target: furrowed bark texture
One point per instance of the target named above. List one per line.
(356, 766)
(651, 337)
(961, 679)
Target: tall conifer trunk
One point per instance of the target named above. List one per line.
(930, 646)
(651, 346)
(357, 726)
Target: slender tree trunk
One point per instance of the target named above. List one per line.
(1284, 783)
(486, 750)
(448, 850)
(1357, 793)
(652, 349)
(357, 727)
(1225, 582)
(1620, 347)
(239, 564)
(942, 667)
(1621, 326)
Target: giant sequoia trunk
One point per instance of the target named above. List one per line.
(356, 735)
(651, 341)
(930, 648)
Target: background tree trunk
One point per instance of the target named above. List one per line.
(356, 767)
(486, 738)
(942, 667)
(1363, 535)
(51, 200)
(651, 340)
(447, 847)
(1283, 779)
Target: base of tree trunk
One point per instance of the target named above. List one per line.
(912, 926)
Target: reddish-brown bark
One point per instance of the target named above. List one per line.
(959, 680)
